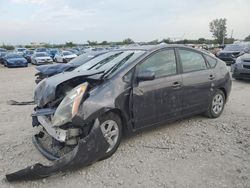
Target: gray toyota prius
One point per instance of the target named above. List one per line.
(81, 115)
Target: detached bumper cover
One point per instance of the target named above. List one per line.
(89, 149)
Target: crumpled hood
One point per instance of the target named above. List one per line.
(53, 69)
(45, 91)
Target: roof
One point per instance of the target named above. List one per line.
(154, 47)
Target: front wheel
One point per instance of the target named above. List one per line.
(111, 127)
(216, 105)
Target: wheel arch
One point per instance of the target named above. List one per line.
(224, 91)
(122, 116)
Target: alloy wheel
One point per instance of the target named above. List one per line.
(218, 103)
(110, 131)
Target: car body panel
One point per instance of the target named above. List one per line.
(45, 59)
(15, 61)
(241, 69)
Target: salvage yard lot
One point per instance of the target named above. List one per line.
(194, 152)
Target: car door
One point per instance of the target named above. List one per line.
(157, 99)
(197, 81)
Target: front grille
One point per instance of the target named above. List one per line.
(245, 75)
(246, 66)
(246, 60)
(236, 54)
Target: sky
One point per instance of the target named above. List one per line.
(59, 21)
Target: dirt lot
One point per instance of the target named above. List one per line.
(195, 152)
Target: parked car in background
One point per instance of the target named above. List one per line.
(41, 50)
(86, 111)
(232, 51)
(41, 58)
(64, 57)
(14, 60)
(53, 52)
(241, 68)
(45, 71)
(74, 51)
(27, 55)
(20, 51)
(3, 52)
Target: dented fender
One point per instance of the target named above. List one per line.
(88, 150)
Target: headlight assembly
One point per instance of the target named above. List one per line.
(69, 106)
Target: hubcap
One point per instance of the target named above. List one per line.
(110, 131)
(218, 103)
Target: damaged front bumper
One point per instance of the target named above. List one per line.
(87, 151)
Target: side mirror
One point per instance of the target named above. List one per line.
(145, 75)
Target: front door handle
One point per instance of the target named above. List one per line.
(176, 85)
(211, 77)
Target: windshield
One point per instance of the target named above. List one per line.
(67, 53)
(41, 50)
(41, 55)
(80, 60)
(21, 49)
(53, 51)
(12, 56)
(110, 61)
(29, 52)
(99, 59)
(234, 47)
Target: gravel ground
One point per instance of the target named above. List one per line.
(195, 152)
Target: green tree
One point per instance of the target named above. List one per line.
(201, 41)
(247, 38)
(128, 41)
(7, 47)
(218, 28)
(104, 43)
(70, 44)
(92, 43)
(153, 42)
(167, 41)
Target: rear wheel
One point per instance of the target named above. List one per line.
(216, 105)
(111, 127)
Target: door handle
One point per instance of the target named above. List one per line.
(176, 85)
(211, 77)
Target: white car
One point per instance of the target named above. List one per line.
(64, 57)
(20, 51)
(41, 58)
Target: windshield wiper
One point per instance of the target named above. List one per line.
(116, 66)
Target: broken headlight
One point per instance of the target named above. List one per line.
(69, 106)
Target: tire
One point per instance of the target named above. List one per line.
(64, 61)
(216, 105)
(113, 120)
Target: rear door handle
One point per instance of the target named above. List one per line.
(211, 77)
(176, 85)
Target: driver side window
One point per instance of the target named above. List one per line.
(162, 63)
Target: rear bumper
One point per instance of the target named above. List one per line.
(240, 72)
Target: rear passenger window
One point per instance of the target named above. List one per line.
(212, 61)
(162, 63)
(192, 61)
